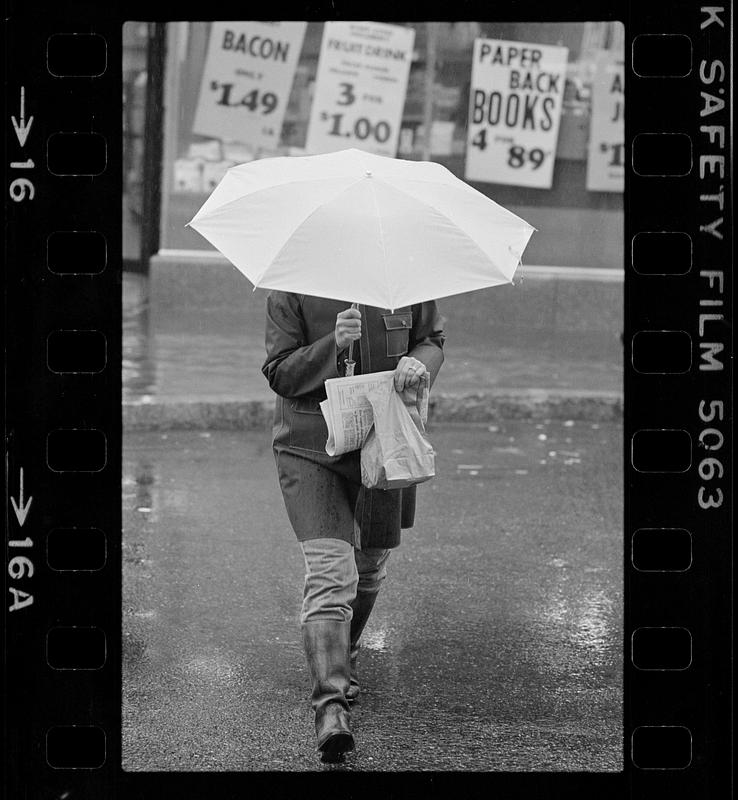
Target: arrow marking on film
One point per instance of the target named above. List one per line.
(21, 511)
(22, 130)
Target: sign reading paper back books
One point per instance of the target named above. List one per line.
(246, 81)
(515, 103)
(605, 167)
(360, 87)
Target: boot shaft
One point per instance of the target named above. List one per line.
(327, 645)
(361, 606)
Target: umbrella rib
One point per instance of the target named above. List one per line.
(226, 206)
(511, 223)
(510, 219)
(382, 242)
(297, 228)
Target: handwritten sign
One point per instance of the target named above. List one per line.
(360, 87)
(605, 167)
(246, 81)
(514, 112)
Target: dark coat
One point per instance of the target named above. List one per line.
(323, 494)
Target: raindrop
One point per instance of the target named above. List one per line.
(551, 453)
(569, 423)
(205, 435)
(493, 429)
(144, 509)
(542, 437)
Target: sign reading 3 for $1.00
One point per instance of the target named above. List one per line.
(515, 103)
(360, 87)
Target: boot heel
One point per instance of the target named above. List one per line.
(333, 730)
(336, 747)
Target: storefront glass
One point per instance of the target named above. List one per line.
(567, 212)
(135, 39)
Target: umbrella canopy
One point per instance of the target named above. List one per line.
(362, 228)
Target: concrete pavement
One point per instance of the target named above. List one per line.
(198, 367)
(496, 643)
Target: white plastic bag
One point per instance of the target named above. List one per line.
(396, 453)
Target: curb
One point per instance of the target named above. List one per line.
(531, 404)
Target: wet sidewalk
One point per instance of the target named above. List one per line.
(201, 368)
(496, 643)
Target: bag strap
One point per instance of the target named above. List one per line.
(419, 408)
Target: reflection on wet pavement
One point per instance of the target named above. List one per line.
(139, 373)
(496, 643)
(211, 355)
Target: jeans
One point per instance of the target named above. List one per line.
(334, 572)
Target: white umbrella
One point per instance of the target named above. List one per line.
(362, 228)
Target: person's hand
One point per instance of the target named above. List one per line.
(409, 372)
(348, 327)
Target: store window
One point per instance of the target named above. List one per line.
(135, 41)
(434, 125)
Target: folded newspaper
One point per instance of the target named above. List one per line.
(348, 413)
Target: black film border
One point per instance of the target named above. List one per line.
(63, 430)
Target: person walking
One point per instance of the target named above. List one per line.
(346, 531)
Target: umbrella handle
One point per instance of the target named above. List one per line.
(349, 362)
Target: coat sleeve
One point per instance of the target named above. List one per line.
(427, 337)
(293, 366)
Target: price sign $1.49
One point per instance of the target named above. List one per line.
(246, 81)
(254, 100)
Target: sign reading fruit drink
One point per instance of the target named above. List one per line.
(247, 80)
(515, 103)
(360, 87)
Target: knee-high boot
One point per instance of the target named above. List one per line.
(326, 645)
(362, 606)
